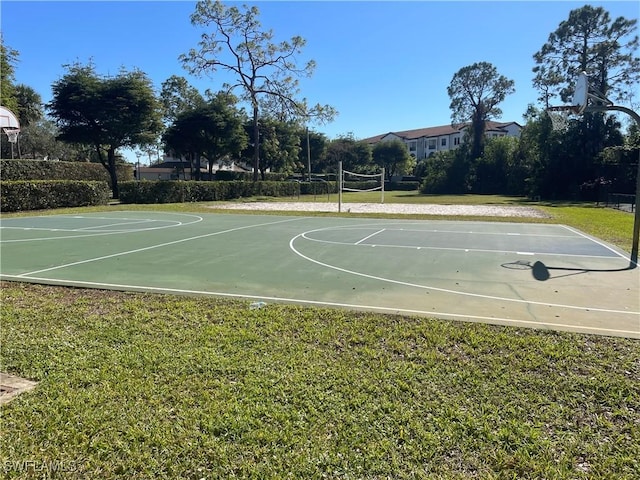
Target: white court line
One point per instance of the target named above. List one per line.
(88, 235)
(369, 236)
(468, 232)
(595, 241)
(445, 290)
(91, 217)
(151, 247)
(41, 229)
(453, 249)
(138, 221)
(492, 320)
(98, 234)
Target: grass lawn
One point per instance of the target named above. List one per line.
(396, 196)
(153, 386)
(142, 386)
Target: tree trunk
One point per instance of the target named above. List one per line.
(110, 166)
(478, 127)
(111, 159)
(256, 143)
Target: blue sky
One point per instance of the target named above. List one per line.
(385, 66)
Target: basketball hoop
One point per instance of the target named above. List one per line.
(12, 134)
(561, 115)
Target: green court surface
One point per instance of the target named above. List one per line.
(526, 275)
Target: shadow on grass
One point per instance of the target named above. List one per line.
(490, 199)
(467, 199)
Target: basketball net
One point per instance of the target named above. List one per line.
(12, 134)
(561, 115)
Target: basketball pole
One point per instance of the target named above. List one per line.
(636, 221)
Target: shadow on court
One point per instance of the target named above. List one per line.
(542, 272)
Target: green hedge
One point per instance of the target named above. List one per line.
(317, 188)
(42, 194)
(14, 170)
(402, 186)
(363, 186)
(388, 186)
(163, 191)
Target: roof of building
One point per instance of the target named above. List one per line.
(438, 131)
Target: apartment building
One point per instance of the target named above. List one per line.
(424, 142)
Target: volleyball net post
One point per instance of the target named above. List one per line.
(339, 186)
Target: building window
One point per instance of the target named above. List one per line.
(456, 141)
(443, 142)
(432, 144)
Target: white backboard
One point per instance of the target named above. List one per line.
(581, 92)
(8, 119)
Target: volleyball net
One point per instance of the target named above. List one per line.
(359, 182)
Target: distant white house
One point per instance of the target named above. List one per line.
(424, 142)
(177, 169)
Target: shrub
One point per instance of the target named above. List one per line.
(402, 186)
(179, 191)
(14, 170)
(42, 194)
(435, 182)
(313, 188)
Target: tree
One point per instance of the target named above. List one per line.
(223, 132)
(447, 171)
(213, 130)
(178, 96)
(589, 41)
(620, 163)
(261, 67)
(8, 58)
(394, 157)
(313, 148)
(355, 156)
(498, 170)
(279, 145)
(38, 139)
(105, 112)
(180, 139)
(556, 160)
(475, 92)
(30, 106)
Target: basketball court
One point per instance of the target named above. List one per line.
(523, 275)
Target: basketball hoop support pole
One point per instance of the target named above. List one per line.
(636, 221)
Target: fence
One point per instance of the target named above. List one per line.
(622, 201)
